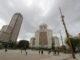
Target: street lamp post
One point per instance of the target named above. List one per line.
(63, 46)
(73, 54)
(61, 38)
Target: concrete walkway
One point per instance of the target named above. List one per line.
(34, 55)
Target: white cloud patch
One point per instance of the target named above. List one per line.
(2, 22)
(28, 3)
(11, 4)
(29, 35)
(19, 39)
(36, 12)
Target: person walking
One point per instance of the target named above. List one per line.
(39, 51)
(6, 47)
(42, 52)
(58, 51)
(49, 51)
(26, 52)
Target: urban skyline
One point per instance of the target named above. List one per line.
(40, 29)
(42, 13)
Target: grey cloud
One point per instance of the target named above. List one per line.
(35, 15)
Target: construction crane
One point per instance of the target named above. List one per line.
(71, 48)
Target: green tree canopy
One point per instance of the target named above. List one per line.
(74, 41)
(23, 44)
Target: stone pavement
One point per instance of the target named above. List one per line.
(34, 55)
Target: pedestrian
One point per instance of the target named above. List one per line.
(26, 52)
(49, 51)
(55, 51)
(58, 50)
(76, 50)
(42, 52)
(5, 49)
(21, 50)
(39, 51)
(79, 51)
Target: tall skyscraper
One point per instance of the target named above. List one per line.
(79, 35)
(57, 43)
(15, 24)
(4, 36)
(10, 32)
(43, 37)
(32, 42)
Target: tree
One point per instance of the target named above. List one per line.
(74, 41)
(12, 45)
(1, 46)
(23, 44)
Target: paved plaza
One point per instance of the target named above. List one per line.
(33, 55)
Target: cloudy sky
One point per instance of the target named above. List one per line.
(36, 12)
